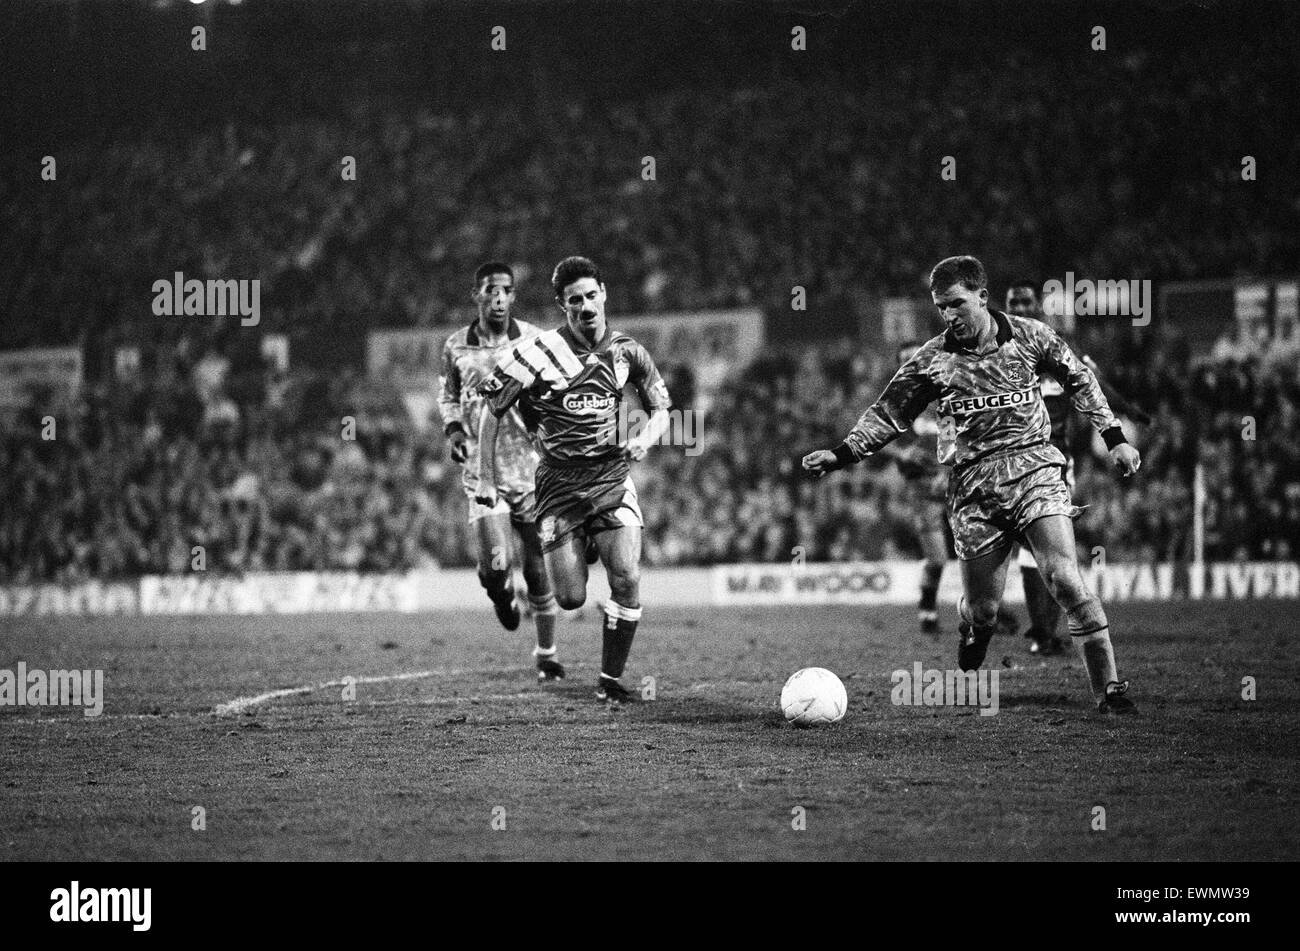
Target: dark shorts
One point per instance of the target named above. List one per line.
(992, 501)
(584, 499)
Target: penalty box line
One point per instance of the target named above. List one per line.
(240, 704)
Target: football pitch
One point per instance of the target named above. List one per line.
(243, 738)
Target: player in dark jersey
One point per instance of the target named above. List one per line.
(1008, 480)
(569, 384)
(1045, 614)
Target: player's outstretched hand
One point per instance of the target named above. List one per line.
(635, 450)
(458, 446)
(819, 462)
(1126, 459)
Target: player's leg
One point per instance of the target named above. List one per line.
(495, 561)
(620, 551)
(983, 579)
(542, 599)
(934, 551)
(1044, 613)
(566, 564)
(1008, 623)
(1052, 539)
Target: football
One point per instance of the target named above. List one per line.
(813, 695)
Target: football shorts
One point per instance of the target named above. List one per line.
(586, 499)
(992, 500)
(519, 503)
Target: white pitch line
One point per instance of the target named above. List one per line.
(240, 704)
(467, 698)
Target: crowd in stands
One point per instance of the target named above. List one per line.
(1126, 165)
(259, 470)
(833, 185)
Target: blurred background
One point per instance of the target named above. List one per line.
(775, 169)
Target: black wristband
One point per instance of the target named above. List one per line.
(843, 456)
(1113, 437)
(453, 427)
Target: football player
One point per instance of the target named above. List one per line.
(1008, 480)
(468, 357)
(1023, 300)
(568, 385)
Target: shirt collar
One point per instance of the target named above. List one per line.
(1000, 322)
(512, 331)
(579, 345)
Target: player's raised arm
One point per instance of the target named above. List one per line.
(1085, 392)
(644, 375)
(449, 408)
(905, 398)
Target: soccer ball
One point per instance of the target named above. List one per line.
(813, 695)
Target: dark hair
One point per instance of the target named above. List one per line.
(963, 269)
(1026, 282)
(573, 269)
(492, 267)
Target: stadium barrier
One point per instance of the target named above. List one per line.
(860, 583)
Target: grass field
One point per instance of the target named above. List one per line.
(414, 768)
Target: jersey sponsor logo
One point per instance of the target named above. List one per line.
(589, 403)
(960, 406)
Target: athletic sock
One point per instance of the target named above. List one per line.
(616, 638)
(545, 611)
(497, 586)
(1089, 629)
(930, 576)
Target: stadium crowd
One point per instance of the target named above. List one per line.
(827, 179)
(829, 185)
(256, 467)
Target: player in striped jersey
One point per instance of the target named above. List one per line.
(1045, 614)
(1007, 481)
(468, 357)
(568, 384)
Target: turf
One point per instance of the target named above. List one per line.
(420, 768)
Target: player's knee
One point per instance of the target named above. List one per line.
(570, 599)
(1064, 583)
(983, 611)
